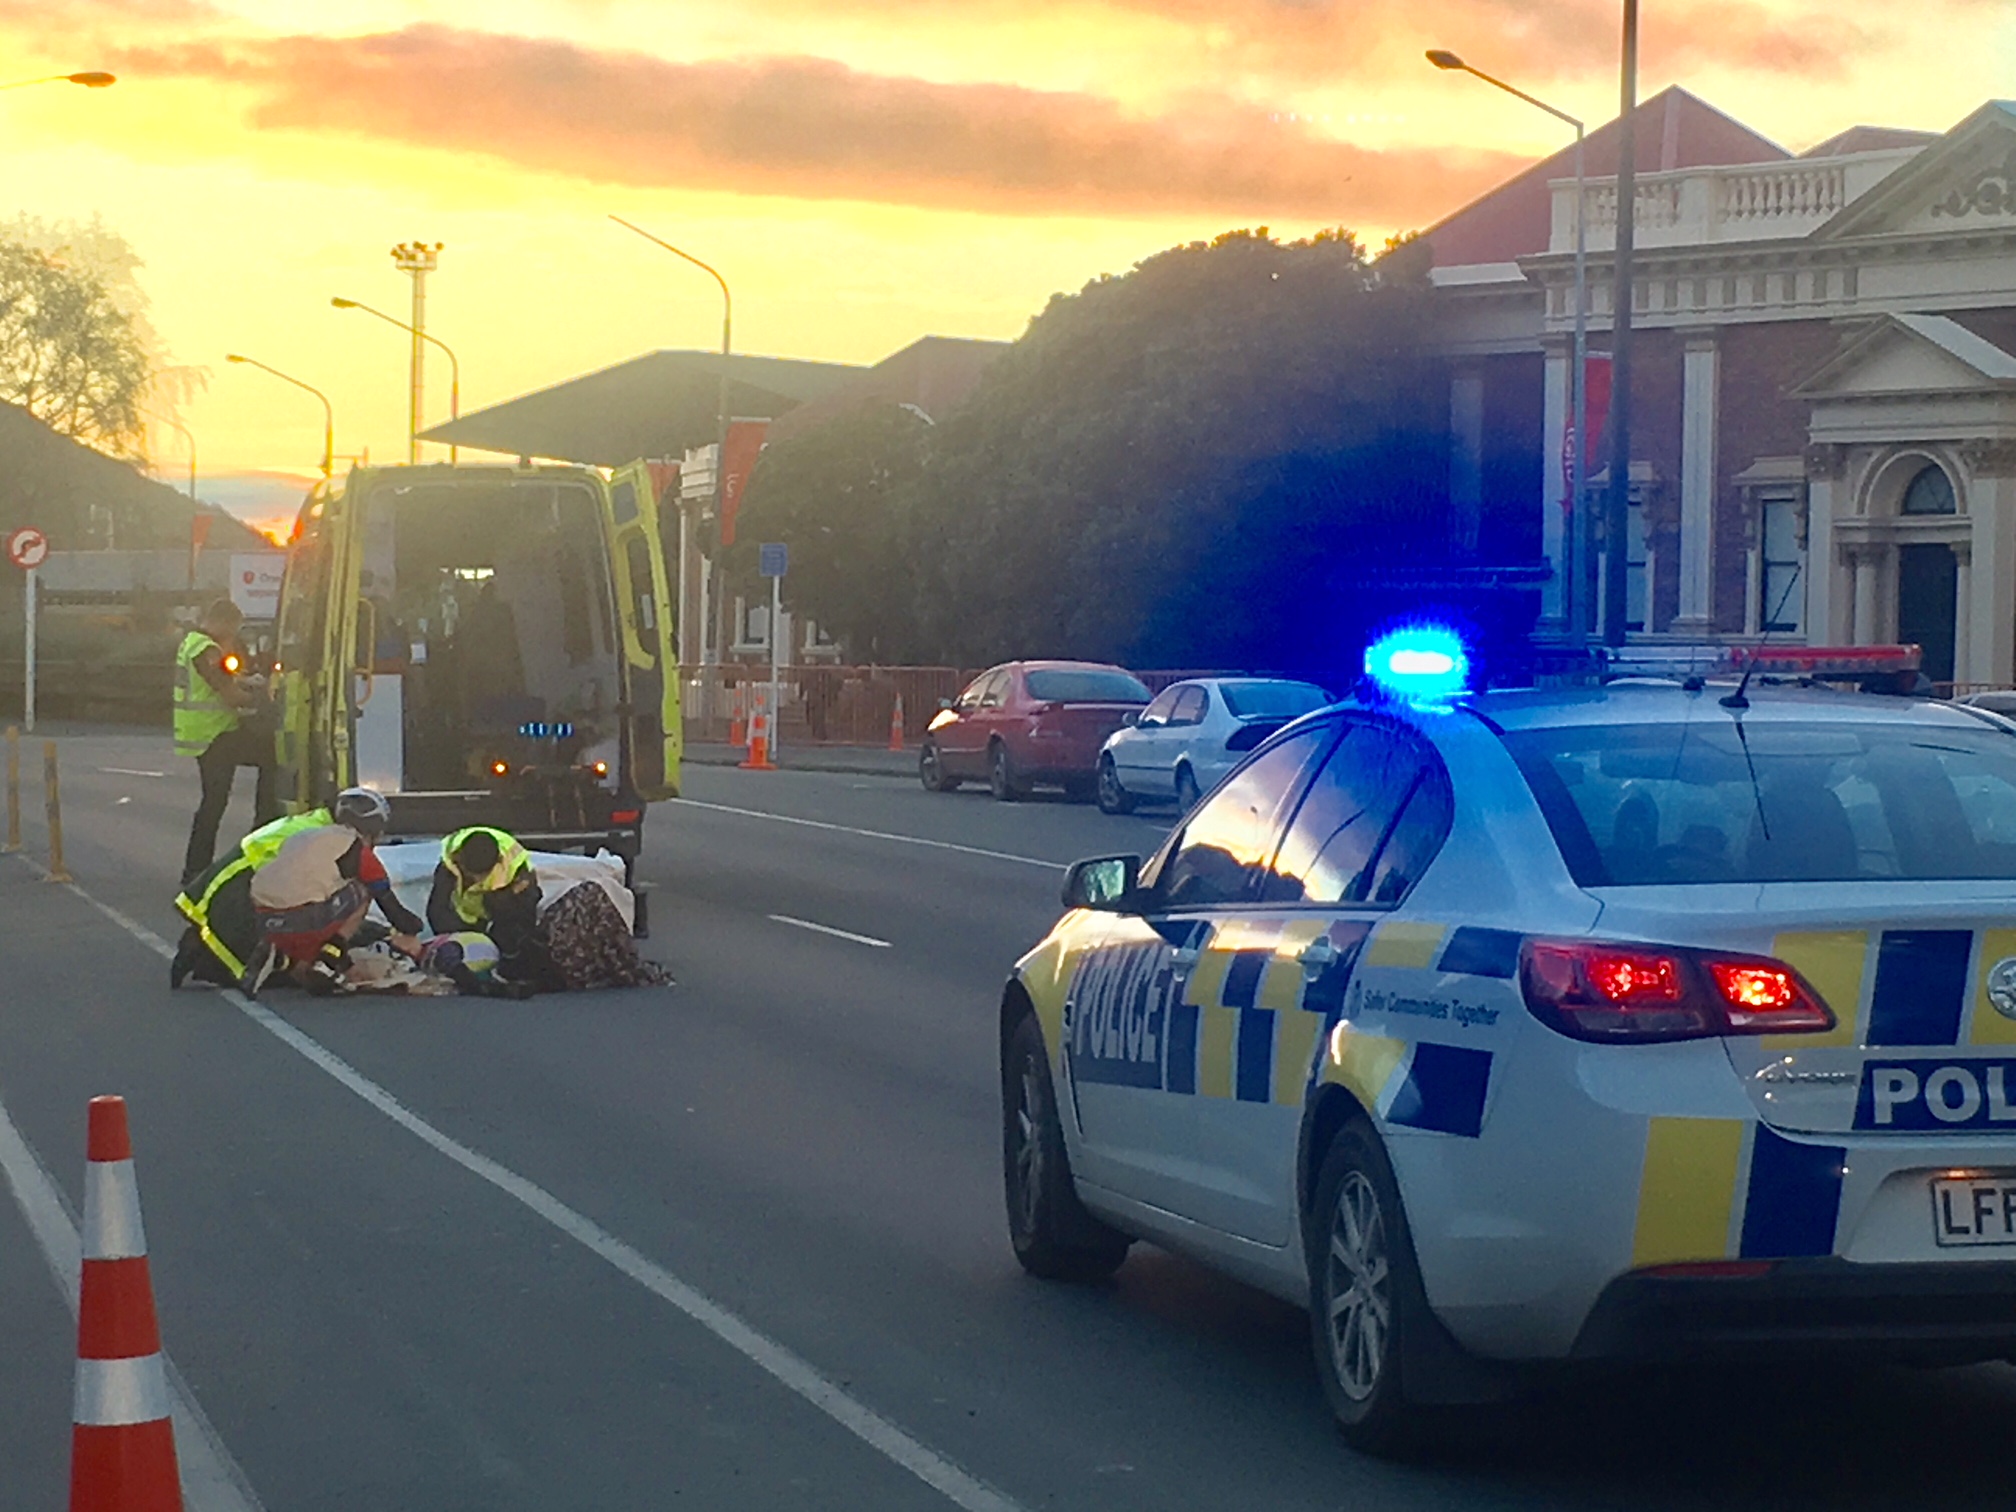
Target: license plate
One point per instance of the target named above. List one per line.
(1974, 1210)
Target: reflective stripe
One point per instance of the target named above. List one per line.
(197, 912)
(1686, 1189)
(112, 1212)
(119, 1393)
(1404, 943)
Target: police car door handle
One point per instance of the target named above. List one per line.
(1318, 956)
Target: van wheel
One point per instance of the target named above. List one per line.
(1113, 798)
(1365, 1294)
(1186, 788)
(931, 770)
(1001, 779)
(1054, 1237)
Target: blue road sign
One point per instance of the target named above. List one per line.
(772, 557)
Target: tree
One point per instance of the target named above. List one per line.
(69, 355)
(1189, 465)
(837, 495)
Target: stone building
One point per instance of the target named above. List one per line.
(1824, 385)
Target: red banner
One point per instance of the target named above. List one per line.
(199, 532)
(745, 443)
(1596, 398)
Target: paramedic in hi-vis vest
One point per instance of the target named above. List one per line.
(218, 721)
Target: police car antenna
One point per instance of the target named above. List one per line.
(1737, 700)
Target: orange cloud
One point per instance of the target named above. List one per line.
(811, 128)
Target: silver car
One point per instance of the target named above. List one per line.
(1193, 734)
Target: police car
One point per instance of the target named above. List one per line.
(1638, 1020)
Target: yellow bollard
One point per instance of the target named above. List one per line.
(57, 871)
(13, 792)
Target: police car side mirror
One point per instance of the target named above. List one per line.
(1106, 882)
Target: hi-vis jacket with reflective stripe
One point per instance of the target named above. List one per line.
(470, 894)
(201, 714)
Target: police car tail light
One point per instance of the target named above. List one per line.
(1593, 990)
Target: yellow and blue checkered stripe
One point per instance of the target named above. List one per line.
(1716, 1188)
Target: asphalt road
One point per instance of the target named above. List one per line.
(739, 1244)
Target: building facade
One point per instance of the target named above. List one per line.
(1824, 379)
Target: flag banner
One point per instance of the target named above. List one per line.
(744, 444)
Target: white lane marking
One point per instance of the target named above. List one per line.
(211, 1479)
(848, 829)
(789, 1370)
(828, 929)
(130, 772)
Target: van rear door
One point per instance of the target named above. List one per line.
(643, 607)
(317, 630)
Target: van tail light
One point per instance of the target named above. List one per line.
(1619, 991)
(626, 816)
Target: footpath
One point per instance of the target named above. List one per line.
(871, 761)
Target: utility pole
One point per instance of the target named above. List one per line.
(417, 259)
(1617, 514)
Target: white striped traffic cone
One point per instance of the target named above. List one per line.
(122, 1447)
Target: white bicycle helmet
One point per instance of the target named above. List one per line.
(363, 810)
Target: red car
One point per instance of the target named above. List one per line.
(1026, 723)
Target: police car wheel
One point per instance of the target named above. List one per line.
(1001, 779)
(1113, 798)
(1364, 1294)
(1054, 1237)
(931, 770)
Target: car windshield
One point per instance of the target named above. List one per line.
(1087, 685)
(1818, 801)
(1272, 700)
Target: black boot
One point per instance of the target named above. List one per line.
(189, 952)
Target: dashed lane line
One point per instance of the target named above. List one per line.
(828, 929)
(868, 834)
(794, 1373)
(130, 772)
(211, 1478)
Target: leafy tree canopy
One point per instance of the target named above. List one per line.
(70, 353)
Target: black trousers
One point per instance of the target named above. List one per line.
(248, 745)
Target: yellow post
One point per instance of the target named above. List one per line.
(57, 871)
(13, 792)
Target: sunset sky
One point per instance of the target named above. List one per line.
(863, 171)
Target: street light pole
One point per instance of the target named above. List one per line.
(417, 259)
(454, 366)
(1577, 539)
(1617, 514)
(328, 411)
(720, 429)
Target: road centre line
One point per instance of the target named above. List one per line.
(848, 829)
(828, 929)
(211, 1479)
(130, 772)
(795, 1374)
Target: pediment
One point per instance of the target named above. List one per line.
(1911, 355)
(1964, 182)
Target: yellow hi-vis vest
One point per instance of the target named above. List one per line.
(469, 895)
(201, 714)
(197, 911)
(264, 843)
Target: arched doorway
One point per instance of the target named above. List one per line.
(1928, 576)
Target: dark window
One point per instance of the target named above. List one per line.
(1088, 686)
(1157, 713)
(1642, 805)
(1190, 706)
(1272, 700)
(1223, 851)
(1930, 493)
(1780, 601)
(1373, 819)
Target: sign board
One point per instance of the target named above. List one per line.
(772, 558)
(29, 548)
(255, 583)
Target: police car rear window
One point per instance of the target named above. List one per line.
(1660, 804)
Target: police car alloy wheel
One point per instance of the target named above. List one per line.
(1054, 1237)
(1113, 798)
(1364, 1293)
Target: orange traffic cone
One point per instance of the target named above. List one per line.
(758, 759)
(122, 1444)
(738, 721)
(896, 725)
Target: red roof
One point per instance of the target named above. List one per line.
(1674, 130)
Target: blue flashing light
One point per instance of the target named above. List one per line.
(539, 730)
(1419, 662)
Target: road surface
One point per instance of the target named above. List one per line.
(737, 1244)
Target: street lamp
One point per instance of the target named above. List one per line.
(328, 411)
(91, 80)
(417, 259)
(720, 428)
(454, 367)
(1578, 539)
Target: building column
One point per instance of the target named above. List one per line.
(1554, 487)
(1820, 582)
(1864, 627)
(1698, 385)
(1990, 655)
(1963, 610)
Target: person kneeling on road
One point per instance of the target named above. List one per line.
(485, 884)
(309, 902)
